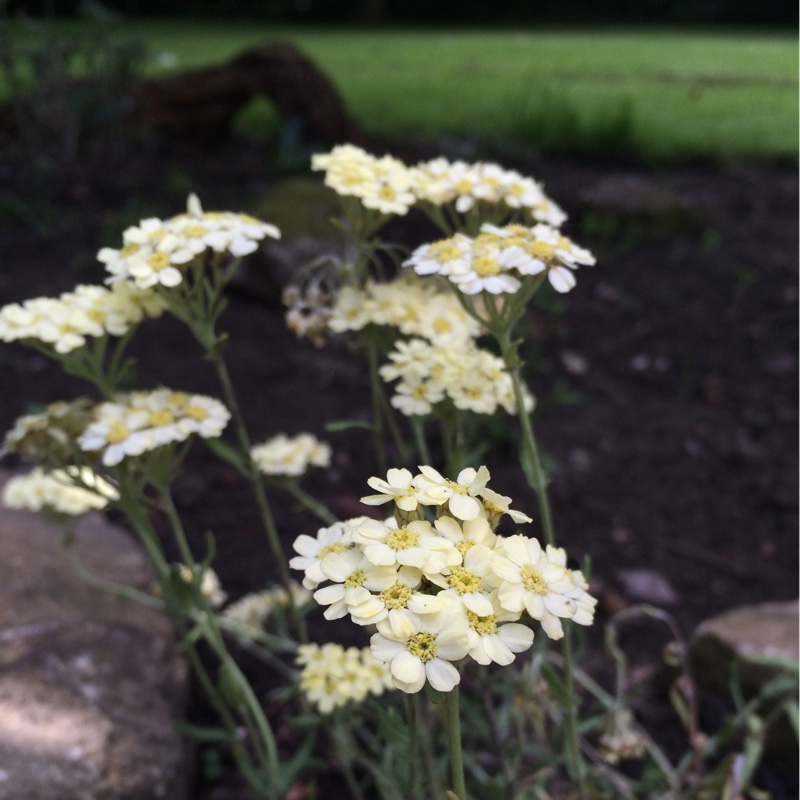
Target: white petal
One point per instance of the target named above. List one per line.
(517, 638)
(560, 605)
(407, 668)
(497, 650)
(505, 569)
(385, 649)
(562, 279)
(552, 626)
(478, 604)
(464, 507)
(329, 594)
(442, 675)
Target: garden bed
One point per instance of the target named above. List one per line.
(666, 381)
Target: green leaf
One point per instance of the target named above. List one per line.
(557, 686)
(347, 424)
(202, 733)
(228, 453)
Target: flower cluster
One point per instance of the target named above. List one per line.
(333, 676)
(466, 185)
(282, 455)
(392, 187)
(413, 307)
(430, 372)
(65, 322)
(499, 259)
(72, 491)
(440, 591)
(48, 438)
(141, 421)
(249, 614)
(156, 252)
(383, 183)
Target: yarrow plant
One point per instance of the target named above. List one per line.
(445, 587)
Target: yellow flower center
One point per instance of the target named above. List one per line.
(456, 487)
(179, 399)
(463, 186)
(542, 250)
(356, 578)
(442, 325)
(333, 547)
(402, 539)
(423, 646)
(197, 413)
(485, 626)
(462, 547)
(485, 266)
(158, 261)
(129, 250)
(464, 581)
(387, 193)
(163, 417)
(532, 580)
(194, 231)
(395, 596)
(118, 433)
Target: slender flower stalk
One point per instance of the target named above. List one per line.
(259, 489)
(310, 503)
(454, 740)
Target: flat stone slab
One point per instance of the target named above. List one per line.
(744, 635)
(89, 683)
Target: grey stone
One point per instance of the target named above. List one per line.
(730, 647)
(89, 683)
(741, 636)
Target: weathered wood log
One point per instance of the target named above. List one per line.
(201, 104)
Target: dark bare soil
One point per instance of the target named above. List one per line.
(667, 381)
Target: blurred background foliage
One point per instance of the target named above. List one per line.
(448, 12)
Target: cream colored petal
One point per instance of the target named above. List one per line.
(442, 675)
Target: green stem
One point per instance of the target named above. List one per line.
(132, 504)
(257, 723)
(117, 589)
(413, 746)
(571, 719)
(454, 739)
(417, 426)
(342, 750)
(434, 790)
(510, 354)
(259, 490)
(537, 477)
(377, 412)
(307, 501)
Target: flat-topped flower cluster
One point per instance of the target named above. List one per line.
(443, 590)
(290, 456)
(249, 614)
(442, 361)
(333, 676)
(138, 422)
(65, 322)
(71, 491)
(390, 186)
(157, 252)
(499, 258)
(430, 372)
(413, 307)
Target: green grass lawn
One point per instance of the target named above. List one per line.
(664, 94)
